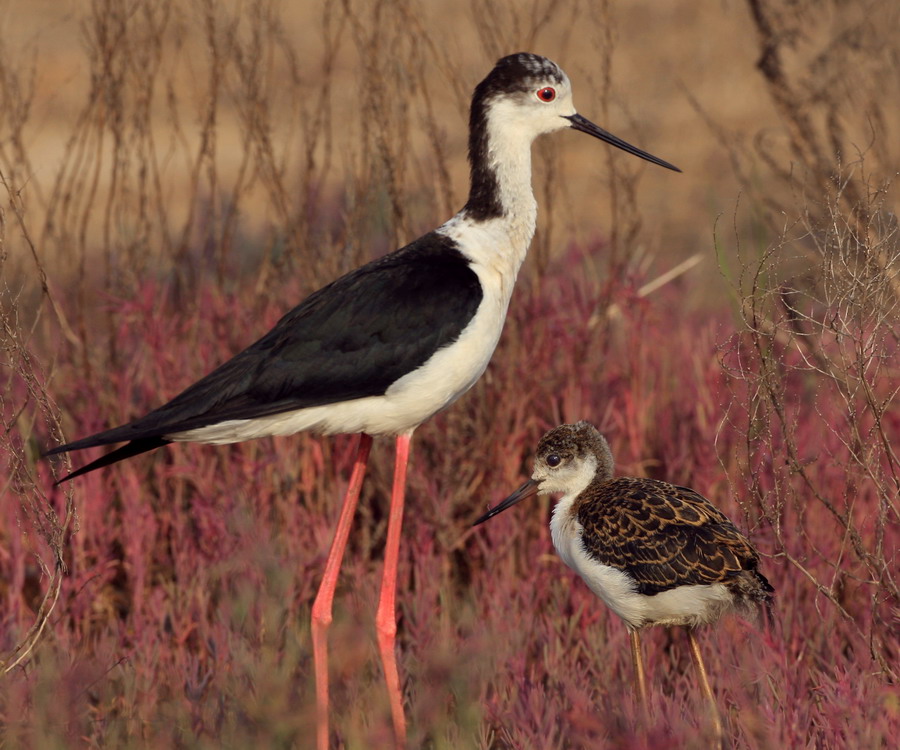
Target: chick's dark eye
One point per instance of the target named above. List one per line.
(553, 460)
(547, 94)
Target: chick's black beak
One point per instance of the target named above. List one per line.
(529, 489)
(586, 126)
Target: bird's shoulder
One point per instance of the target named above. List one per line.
(431, 269)
(645, 503)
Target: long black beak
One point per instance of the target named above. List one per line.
(586, 126)
(529, 489)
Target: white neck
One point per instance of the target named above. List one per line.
(564, 526)
(501, 243)
(509, 157)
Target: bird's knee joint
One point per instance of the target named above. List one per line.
(320, 618)
(386, 630)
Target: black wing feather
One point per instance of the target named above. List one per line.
(350, 339)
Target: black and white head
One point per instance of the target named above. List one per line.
(526, 95)
(568, 459)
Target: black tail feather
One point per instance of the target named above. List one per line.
(126, 433)
(134, 448)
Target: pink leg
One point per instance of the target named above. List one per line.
(321, 610)
(386, 618)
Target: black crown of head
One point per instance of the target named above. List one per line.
(518, 72)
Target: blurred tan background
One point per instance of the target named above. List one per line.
(133, 132)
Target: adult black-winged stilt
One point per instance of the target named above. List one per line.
(387, 346)
(656, 554)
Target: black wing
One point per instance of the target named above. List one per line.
(350, 339)
(663, 536)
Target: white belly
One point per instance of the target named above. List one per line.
(685, 605)
(409, 401)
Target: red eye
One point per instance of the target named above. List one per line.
(547, 94)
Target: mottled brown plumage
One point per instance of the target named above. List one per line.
(660, 535)
(656, 553)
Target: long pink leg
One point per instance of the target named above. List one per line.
(321, 609)
(386, 617)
